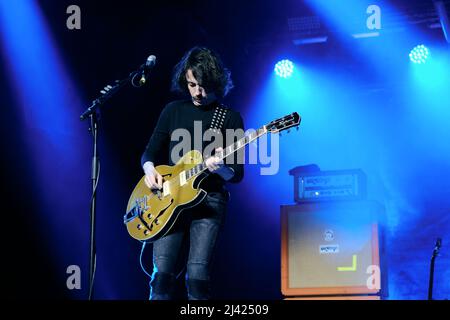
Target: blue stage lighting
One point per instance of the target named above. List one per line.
(419, 54)
(284, 68)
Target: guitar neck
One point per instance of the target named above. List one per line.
(232, 148)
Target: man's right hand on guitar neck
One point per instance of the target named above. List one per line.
(153, 179)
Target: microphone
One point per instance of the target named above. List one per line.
(149, 64)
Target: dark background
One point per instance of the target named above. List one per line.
(46, 184)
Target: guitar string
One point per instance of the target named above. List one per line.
(220, 113)
(260, 132)
(174, 182)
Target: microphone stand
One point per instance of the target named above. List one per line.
(92, 113)
(433, 257)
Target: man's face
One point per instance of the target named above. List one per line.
(199, 95)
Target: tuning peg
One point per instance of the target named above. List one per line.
(102, 91)
(289, 131)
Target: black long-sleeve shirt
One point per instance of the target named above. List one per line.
(182, 114)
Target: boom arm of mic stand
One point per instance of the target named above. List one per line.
(104, 97)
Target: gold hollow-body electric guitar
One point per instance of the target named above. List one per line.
(152, 213)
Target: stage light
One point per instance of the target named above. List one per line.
(419, 54)
(284, 68)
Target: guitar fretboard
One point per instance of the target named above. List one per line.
(199, 168)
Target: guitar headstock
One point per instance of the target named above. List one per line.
(286, 122)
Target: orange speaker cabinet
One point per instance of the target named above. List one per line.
(330, 248)
(371, 297)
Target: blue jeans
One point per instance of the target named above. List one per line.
(202, 223)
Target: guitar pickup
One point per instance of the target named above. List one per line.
(182, 178)
(166, 189)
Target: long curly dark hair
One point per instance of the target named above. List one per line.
(208, 70)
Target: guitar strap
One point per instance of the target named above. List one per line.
(218, 118)
(216, 126)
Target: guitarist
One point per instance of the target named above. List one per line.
(202, 77)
